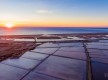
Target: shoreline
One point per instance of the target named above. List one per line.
(85, 36)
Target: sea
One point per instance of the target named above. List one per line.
(47, 30)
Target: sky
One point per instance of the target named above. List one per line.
(54, 13)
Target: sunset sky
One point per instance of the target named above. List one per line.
(54, 13)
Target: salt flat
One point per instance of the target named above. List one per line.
(80, 60)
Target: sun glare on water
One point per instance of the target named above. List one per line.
(9, 25)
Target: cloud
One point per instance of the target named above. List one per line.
(44, 11)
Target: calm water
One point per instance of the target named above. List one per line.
(30, 31)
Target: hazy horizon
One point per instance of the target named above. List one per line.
(54, 13)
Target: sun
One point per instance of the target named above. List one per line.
(9, 25)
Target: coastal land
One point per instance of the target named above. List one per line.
(78, 57)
